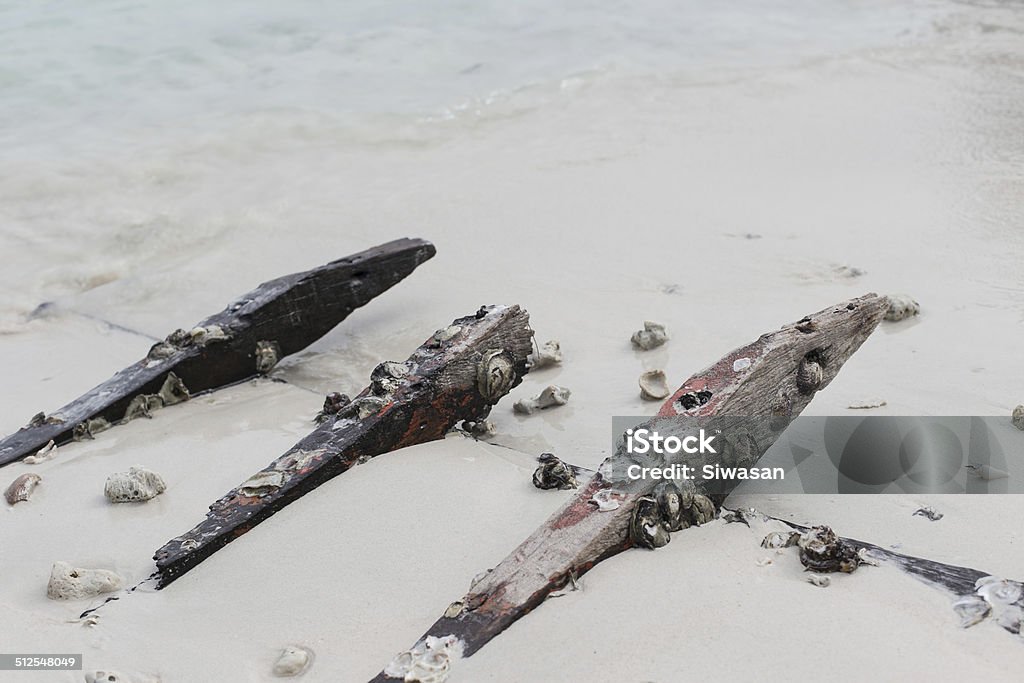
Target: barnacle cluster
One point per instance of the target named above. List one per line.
(180, 339)
(673, 506)
(552, 473)
(429, 661)
(334, 403)
(822, 551)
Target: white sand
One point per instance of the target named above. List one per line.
(903, 161)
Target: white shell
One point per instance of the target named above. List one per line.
(552, 395)
(292, 661)
(972, 609)
(73, 583)
(740, 364)
(262, 483)
(429, 661)
(651, 337)
(819, 580)
(901, 306)
(605, 500)
(653, 385)
(137, 484)
(549, 353)
(867, 404)
(208, 334)
(43, 454)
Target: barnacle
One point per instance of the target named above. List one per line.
(553, 473)
(495, 374)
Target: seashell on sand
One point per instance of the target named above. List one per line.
(901, 306)
(135, 485)
(867, 404)
(780, 539)
(929, 512)
(819, 580)
(550, 397)
(972, 609)
(1017, 419)
(480, 429)
(429, 661)
(292, 661)
(74, 583)
(653, 385)
(822, 551)
(999, 598)
(549, 353)
(651, 337)
(21, 488)
(552, 473)
(43, 454)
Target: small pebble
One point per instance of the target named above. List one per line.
(73, 583)
(550, 397)
(651, 337)
(901, 306)
(292, 661)
(1018, 417)
(549, 353)
(928, 512)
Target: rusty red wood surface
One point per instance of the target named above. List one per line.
(457, 374)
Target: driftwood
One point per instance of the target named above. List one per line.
(247, 338)
(458, 374)
(770, 381)
(978, 591)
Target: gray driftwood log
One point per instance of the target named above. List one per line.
(980, 594)
(769, 382)
(457, 374)
(247, 338)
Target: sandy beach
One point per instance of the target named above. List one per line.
(724, 197)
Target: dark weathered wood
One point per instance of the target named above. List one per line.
(771, 384)
(457, 374)
(961, 582)
(286, 315)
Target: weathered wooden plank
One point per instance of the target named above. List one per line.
(457, 374)
(274, 320)
(980, 594)
(767, 382)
